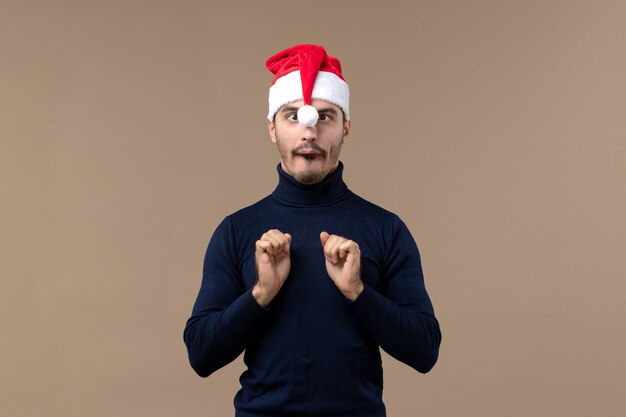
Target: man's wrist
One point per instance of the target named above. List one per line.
(354, 293)
(261, 296)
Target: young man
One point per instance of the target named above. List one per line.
(311, 280)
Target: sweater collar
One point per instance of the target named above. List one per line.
(330, 189)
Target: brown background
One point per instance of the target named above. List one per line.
(495, 129)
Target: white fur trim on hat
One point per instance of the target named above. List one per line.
(328, 87)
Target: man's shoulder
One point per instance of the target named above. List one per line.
(371, 209)
(252, 211)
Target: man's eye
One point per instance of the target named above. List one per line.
(292, 117)
(325, 118)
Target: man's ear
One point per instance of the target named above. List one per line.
(271, 127)
(346, 130)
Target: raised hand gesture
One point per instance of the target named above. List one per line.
(343, 264)
(273, 262)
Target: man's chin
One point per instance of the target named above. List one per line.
(308, 171)
(309, 177)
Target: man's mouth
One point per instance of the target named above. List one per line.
(309, 151)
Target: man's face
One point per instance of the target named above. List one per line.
(309, 153)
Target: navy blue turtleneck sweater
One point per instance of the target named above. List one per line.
(312, 352)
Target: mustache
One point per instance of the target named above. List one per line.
(310, 145)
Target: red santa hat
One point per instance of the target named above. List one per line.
(306, 72)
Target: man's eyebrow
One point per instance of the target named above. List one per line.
(330, 110)
(288, 109)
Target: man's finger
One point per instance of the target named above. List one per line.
(334, 248)
(326, 246)
(280, 241)
(331, 248)
(274, 241)
(348, 247)
(264, 246)
(287, 246)
(271, 240)
(324, 238)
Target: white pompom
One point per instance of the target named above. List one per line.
(307, 115)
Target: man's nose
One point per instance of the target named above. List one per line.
(309, 134)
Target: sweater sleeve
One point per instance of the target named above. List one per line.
(400, 315)
(225, 314)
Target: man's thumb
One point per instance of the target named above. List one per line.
(324, 237)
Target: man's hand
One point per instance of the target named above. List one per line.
(273, 263)
(343, 264)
